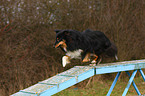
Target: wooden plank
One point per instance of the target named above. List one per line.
(112, 69)
(75, 71)
(56, 80)
(80, 73)
(23, 94)
(39, 89)
(118, 66)
(59, 82)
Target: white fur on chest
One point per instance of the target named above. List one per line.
(74, 54)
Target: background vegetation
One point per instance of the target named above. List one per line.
(27, 35)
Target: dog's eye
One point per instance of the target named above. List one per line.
(57, 39)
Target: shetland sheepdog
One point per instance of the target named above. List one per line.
(82, 45)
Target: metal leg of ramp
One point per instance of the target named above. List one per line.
(113, 84)
(142, 74)
(129, 82)
(134, 85)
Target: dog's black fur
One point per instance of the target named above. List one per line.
(89, 41)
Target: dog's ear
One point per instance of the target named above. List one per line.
(66, 33)
(57, 30)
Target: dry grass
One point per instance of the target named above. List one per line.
(26, 35)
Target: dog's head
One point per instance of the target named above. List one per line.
(61, 38)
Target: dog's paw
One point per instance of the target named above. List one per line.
(65, 60)
(86, 60)
(94, 61)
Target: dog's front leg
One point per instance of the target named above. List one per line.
(65, 60)
(85, 57)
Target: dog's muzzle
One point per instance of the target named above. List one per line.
(56, 45)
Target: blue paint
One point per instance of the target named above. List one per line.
(76, 88)
(113, 84)
(59, 87)
(86, 75)
(23, 94)
(134, 85)
(142, 74)
(129, 83)
(118, 68)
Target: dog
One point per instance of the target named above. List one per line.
(82, 45)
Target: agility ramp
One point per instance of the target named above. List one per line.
(77, 74)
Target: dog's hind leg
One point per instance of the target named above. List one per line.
(100, 59)
(116, 57)
(95, 61)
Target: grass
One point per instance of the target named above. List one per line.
(100, 88)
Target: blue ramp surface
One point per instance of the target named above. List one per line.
(57, 83)
(75, 75)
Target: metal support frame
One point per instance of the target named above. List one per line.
(142, 74)
(133, 83)
(129, 82)
(113, 84)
